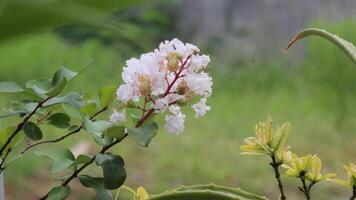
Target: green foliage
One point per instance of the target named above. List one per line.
(62, 159)
(206, 192)
(348, 48)
(267, 141)
(98, 185)
(114, 174)
(32, 131)
(35, 15)
(144, 134)
(60, 120)
(10, 87)
(59, 193)
(115, 132)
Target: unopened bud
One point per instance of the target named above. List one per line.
(173, 61)
(182, 89)
(145, 85)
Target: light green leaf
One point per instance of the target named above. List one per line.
(144, 134)
(341, 182)
(59, 193)
(81, 159)
(72, 111)
(54, 86)
(116, 132)
(98, 185)
(5, 133)
(10, 87)
(59, 120)
(89, 109)
(32, 131)
(98, 127)
(106, 95)
(114, 173)
(280, 138)
(73, 99)
(347, 47)
(62, 158)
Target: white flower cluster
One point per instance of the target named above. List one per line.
(165, 78)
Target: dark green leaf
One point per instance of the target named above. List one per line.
(59, 120)
(58, 193)
(32, 131)
(116, 132)
(74, 99)
(10, 87)
(62, 159)
(114, 172)
(106, 95)
(144, 134)
(98, 185)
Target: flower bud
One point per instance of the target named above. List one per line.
(173, 61)
(145, 85)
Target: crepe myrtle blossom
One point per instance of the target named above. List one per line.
(166, 79)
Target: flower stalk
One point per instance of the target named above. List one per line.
(275, 165)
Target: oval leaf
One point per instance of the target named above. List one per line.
(60, 120)
(32, 131)
(114, 173)
(98, 185)
(10, 87)
(59, 193)
(144, 134)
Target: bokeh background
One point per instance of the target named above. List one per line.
(313, 86)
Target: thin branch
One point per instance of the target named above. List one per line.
(306, 189)
(275, 166)
(3, 160)
(353, 197)
(62, 137)
(20, 125)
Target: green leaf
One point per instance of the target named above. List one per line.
(60, 120)
(81, 159)
(62, 158)
(347, 47)
(90, 109)
(54, 86)
(114, 172)
(32, 131)
(59, 193)
(10, 87)
(98, 127)
(98, 185)
(116, 132)
(280, 138)
(72, 111)
(106, 95)
(5, 133)
(73, 99)
(144, 134)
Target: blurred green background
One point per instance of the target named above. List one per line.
(313, 85)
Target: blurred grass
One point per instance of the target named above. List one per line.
(208, 150)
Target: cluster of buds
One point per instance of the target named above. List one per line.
(166, 79)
